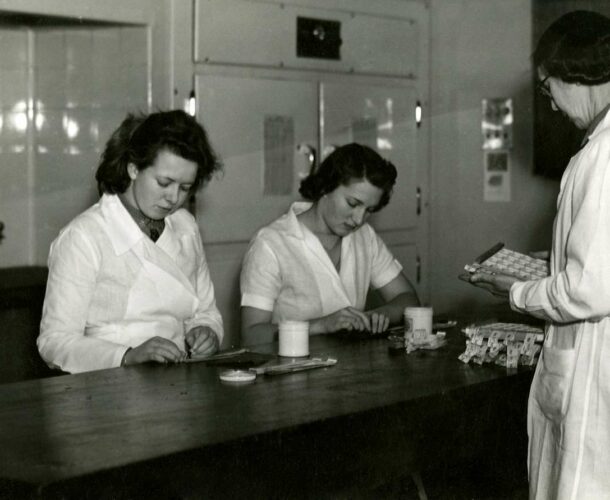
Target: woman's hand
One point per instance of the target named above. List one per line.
(379, 322)
(496, 283)
(348, 318)
(202, 341)
(156, 349)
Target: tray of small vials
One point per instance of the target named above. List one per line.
(499, 259)
(506, 344)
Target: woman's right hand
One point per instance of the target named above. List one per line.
(348, 318)
(155, 349)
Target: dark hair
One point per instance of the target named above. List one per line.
(140, 138)
(576, 48)
(346, 163)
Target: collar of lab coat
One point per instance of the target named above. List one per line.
(125, 235)
(601, 122)
(122, 230)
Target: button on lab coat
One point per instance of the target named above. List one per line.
(286, 270)
(110, 287)
(569, 403)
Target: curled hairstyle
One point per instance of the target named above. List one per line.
(140, 138)
(576, 48)
(348, 163)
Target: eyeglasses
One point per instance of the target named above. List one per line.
(543, 89)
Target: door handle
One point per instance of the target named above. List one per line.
(310, 153)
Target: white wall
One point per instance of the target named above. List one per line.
(479, 49)
(63, 93)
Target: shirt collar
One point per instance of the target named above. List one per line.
(292, 226)
(291, 222)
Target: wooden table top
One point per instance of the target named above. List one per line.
(63, 427)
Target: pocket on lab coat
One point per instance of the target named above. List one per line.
(554, 382)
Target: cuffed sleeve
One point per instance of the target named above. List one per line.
(579, 288)
(260, 279)
(384, 266)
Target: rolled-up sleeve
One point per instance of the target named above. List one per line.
(260, 279)
(384, 266)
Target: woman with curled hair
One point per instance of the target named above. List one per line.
(128, 280)
(569, 403)
(317, 262)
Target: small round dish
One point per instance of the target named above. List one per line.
(237, 376)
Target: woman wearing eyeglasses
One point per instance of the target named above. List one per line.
(569, 403)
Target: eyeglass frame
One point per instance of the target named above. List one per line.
(543, 89)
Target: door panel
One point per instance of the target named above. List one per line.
(261, 128)
(383, 118)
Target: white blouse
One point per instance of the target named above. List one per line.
(287, 271)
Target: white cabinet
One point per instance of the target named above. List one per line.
(265, 109)
(263, 33)
(255, 124)
(382, 117)
(249, 118)
(264, 126)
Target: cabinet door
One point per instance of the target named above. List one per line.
(383, 117)
(267, 36)
(262, 129)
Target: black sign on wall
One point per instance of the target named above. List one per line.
(318, 38)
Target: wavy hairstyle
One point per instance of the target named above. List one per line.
(140, 138)
(348, 163)
(576, 48)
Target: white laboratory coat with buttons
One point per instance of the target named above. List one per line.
(110, 287)
(287, 271)
(569, 403)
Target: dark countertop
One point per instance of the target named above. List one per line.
(59, 434)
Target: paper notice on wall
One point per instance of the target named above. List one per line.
(364, 131)
(278, 155)
(496, 176)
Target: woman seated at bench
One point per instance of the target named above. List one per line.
(318, 261)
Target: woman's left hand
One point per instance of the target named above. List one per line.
(202, 341)
(496, 283)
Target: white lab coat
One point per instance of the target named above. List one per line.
(569, 403)
(110, 287)
(286, 270)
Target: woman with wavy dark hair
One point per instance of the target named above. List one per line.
(128, 280)
(569, 403)
(317, 262)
